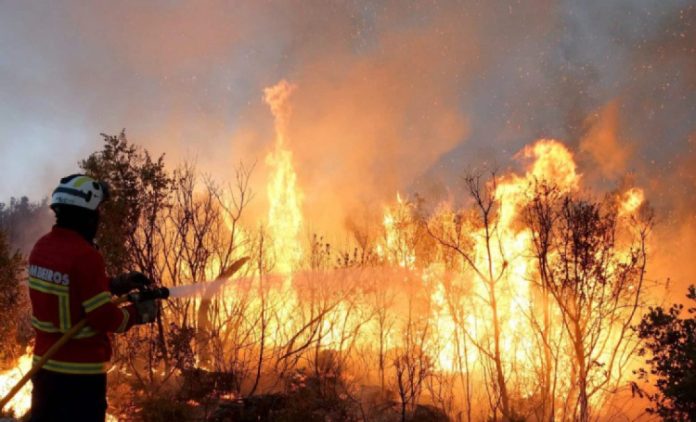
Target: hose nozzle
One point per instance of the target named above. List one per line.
(149, 294)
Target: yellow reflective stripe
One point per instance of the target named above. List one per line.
(47, 287)
(63, 299)
(48, 327)
(126, 316)
(96, 301)
(73, 367)
(81, 181)
(86, 333)
(64, 312)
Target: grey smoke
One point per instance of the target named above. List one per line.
(392, 95)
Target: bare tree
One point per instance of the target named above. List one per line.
(382, 300)
(412, 363)
(224, 240)
(262, 321)
(540, 218)
(456, 293)
(483, 229)
(593, 265)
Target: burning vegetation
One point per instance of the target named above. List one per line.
(514, 301)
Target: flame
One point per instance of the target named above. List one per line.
(553, 162)
(291, 298)
(322, 309)
(397, 247)
(21, 403)
(284, 197)
(630, 201)
(284, 213)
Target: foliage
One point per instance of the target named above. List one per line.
(12, 301)
(313, 396)
(180, 341)
(669, 337)
(322, 393)
(162, 408)
(139, 187)
(177, 231)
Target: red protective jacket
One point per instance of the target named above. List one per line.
(67, 282)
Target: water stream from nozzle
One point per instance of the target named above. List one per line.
(204, 289)
(207, 289)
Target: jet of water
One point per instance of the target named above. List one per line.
(207, 289)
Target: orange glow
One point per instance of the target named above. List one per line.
(293, 306)
(21, 402)
(397, 245)
(631, 200)
(284, 197)
(296, 304)
(553, 162)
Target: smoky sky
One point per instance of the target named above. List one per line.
(391, 95)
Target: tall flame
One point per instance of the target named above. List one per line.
(284, 197)
(284, 214)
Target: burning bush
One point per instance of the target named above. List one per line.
(13, 303)
(14, 330)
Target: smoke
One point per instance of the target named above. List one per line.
(601, 144)
(390, 95)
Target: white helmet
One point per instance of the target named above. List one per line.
(80, 191)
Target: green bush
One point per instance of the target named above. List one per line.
(670, 340)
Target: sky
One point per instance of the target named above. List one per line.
(391, 95)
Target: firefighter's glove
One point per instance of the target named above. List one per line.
(126, 282)
(147, 311)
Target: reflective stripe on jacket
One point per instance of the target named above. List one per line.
(67, 282)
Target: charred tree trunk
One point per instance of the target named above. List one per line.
(203, 332)
(262, 316)
(581, 362)
(381, 353)
(548, 404)
(500, 372)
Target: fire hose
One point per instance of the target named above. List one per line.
(147, 293)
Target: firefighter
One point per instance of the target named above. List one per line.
(68, 282)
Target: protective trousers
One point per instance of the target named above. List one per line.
(66, 397)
